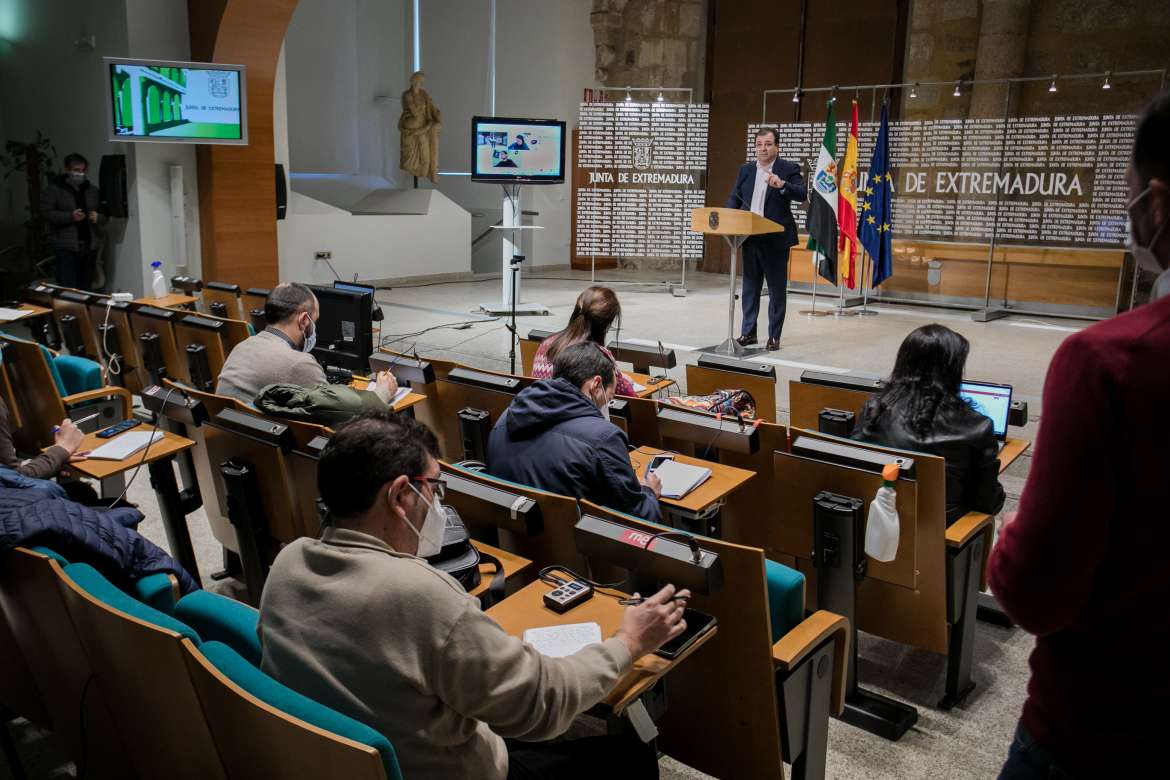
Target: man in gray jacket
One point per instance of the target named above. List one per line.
(281, 353)
(358, 622)
(70, 205)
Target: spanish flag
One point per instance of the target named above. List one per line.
(847, 211)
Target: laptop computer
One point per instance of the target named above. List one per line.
(990, 400)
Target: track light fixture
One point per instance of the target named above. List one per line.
(1107, 85)
(914, 91)
(1052, 86)
(958, 92)
(629, 97)
(660, 98)
(796, 96)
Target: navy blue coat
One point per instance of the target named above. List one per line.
(31, 517)
(554, 438)
(777, 203)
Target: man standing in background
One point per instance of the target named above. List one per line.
(767, 187)
(70, 206)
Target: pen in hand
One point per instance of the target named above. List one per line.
(633, 602)
(78, 423)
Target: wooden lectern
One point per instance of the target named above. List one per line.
(735, 225)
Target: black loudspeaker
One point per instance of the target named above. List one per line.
(281, 192)
(112, 185)
(835, 422)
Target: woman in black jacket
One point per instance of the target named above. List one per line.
(920, 409)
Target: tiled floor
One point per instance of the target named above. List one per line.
(968, 742)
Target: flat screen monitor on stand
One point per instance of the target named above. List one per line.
(344, 328)
(512, 152)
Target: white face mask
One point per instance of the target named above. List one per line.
(1143, 256)
(603, 405)
(76, 176)
(430, 538)
(310, 338)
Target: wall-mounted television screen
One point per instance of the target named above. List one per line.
(176, 102)
(521, 150)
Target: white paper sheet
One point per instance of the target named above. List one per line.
(560, 641)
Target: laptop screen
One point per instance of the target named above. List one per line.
(992, 401)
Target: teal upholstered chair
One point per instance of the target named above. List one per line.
(42, 388)
(224, 620)
(335, 746)
(140, 657)
(154, 590)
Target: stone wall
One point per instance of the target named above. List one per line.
(989, 39)
(650, 43)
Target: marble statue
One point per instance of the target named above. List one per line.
(418, 129)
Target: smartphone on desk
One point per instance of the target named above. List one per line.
(698, 624)
(657, 461)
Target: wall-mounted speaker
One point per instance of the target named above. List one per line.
(112, 184)
(281, 192)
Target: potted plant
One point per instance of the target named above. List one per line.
(37, 160)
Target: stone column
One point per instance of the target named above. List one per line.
(1002, 53)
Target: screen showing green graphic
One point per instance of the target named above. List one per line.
(185, 102)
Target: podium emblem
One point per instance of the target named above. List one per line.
(713, 220)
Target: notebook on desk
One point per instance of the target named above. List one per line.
(125, 445)
(679, 479)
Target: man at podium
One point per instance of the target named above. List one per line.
(767, 187)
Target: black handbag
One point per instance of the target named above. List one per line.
(459, 558)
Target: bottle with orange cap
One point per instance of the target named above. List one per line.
(881, 528)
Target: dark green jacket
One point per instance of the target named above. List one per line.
(324, 405)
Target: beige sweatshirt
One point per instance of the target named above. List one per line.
(388, 640)
(266, 359)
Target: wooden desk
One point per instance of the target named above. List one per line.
(650, 387)
(525, 609)
(513, 565)
(1012, 449)
(32, 311)
(406, 402)
(158, 458)
(170, 301)
(723, 481)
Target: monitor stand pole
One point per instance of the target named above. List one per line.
(510, 287)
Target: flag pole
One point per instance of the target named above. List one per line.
(816, 267)
(866, 263)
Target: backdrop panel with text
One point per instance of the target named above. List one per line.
(639, 170)
(1058, 183)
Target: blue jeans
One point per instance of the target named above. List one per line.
(1028, 760)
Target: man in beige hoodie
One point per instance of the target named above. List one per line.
(357, 621)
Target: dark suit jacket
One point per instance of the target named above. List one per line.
(776, 202)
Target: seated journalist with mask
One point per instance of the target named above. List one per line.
(556, 436)
(281, 353)
(359, 622)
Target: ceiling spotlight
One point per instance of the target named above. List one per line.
(1052, 86)
(629, 97)
(796, 96)
(1106, 85)
(914, 90)
(957, 91)
(660, 98)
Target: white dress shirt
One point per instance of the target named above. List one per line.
(760, 191)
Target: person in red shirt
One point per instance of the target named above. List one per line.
(1083, 563)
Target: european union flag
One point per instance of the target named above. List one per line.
(875, 208)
